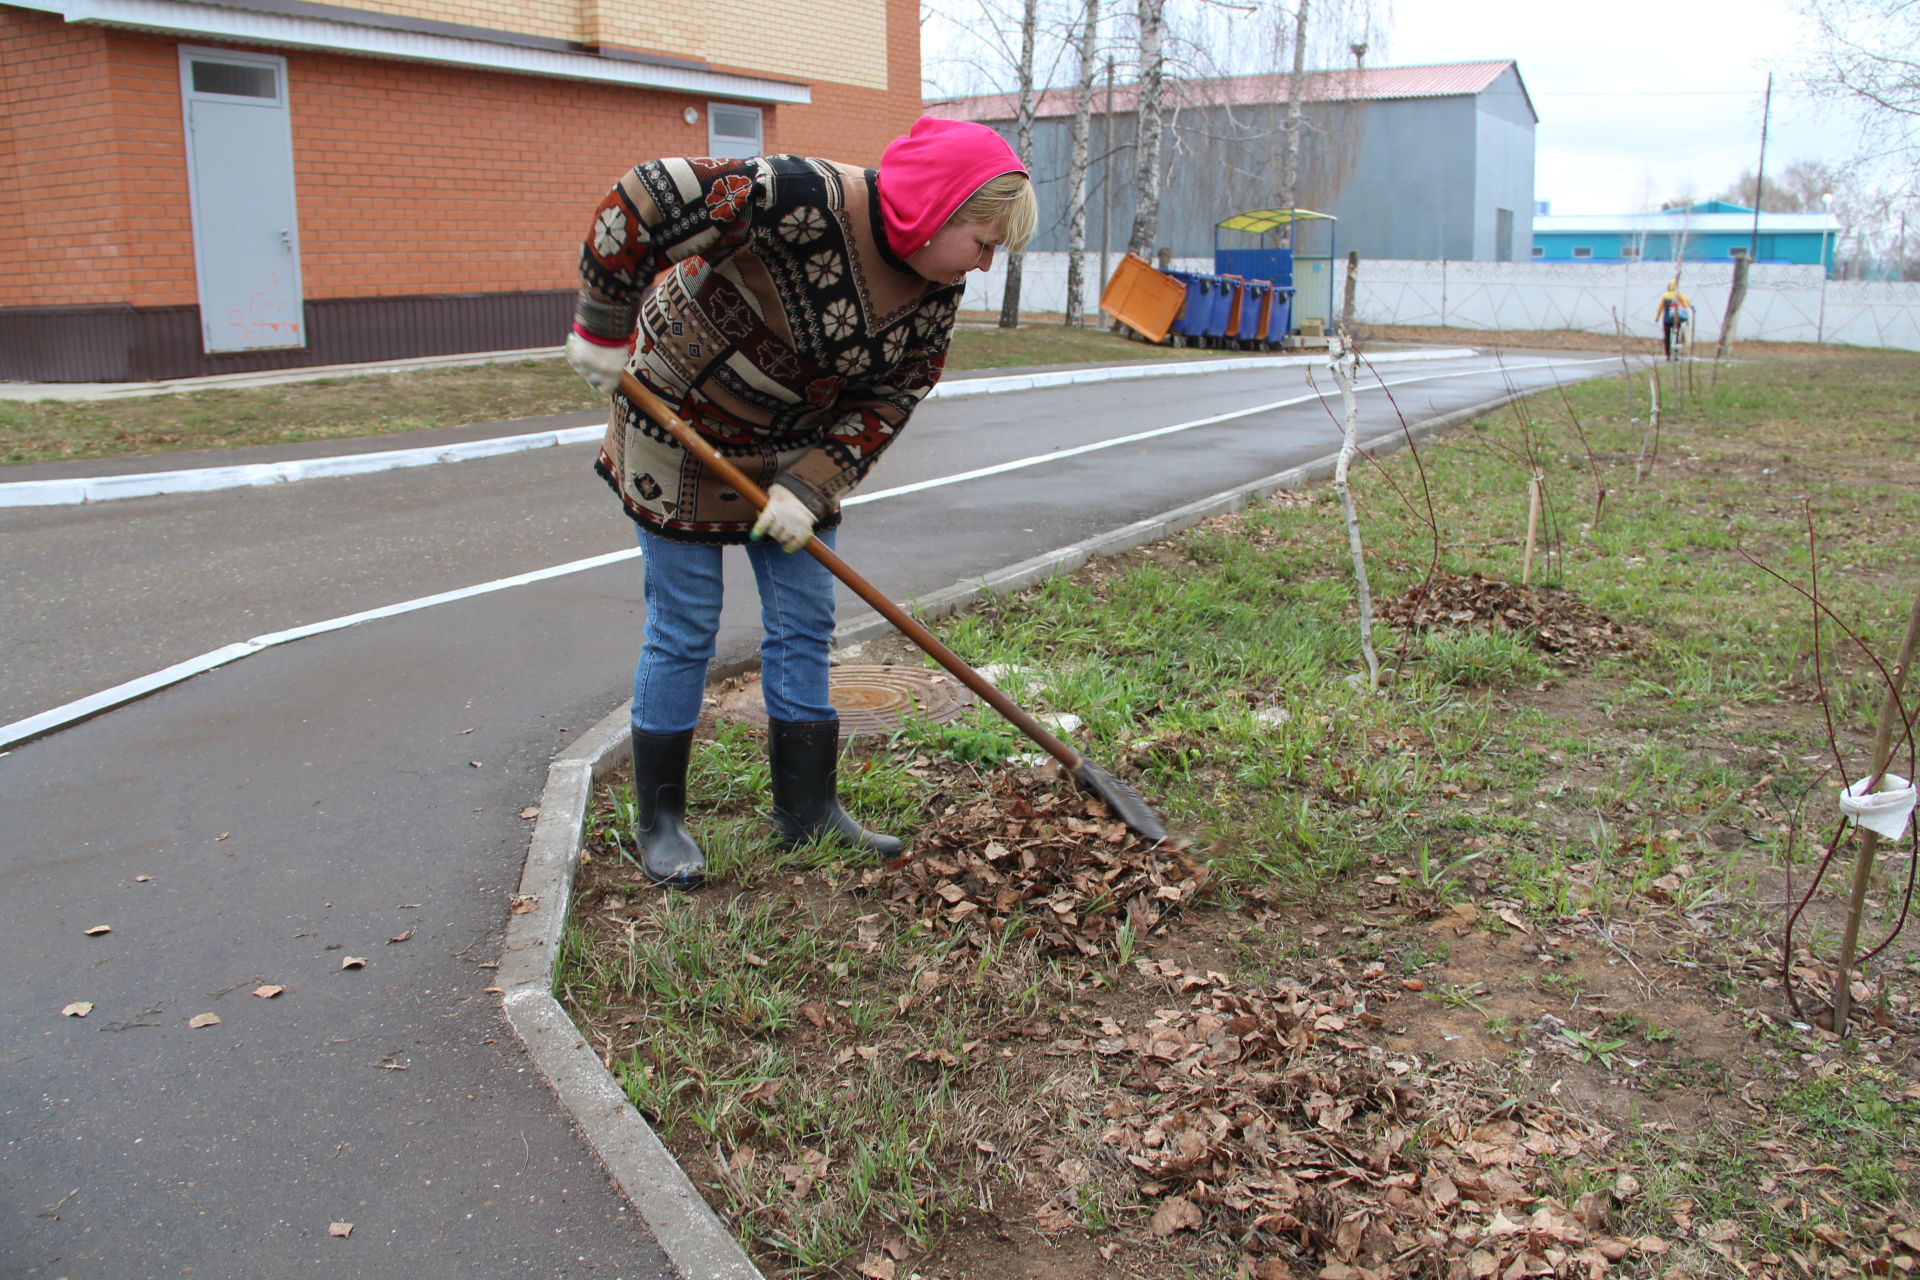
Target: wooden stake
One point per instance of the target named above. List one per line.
(1533, 528)
(1870, 840)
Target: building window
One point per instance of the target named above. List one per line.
(235, 79)
(1583, 251)
(1539, 251)
(1629, 251)
(733, 132)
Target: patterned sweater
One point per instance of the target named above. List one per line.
(773, 316)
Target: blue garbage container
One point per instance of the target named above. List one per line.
(1255, 313)
(1281, 323)
(1196, 313)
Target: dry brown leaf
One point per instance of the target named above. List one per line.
(199, 1020)
(530, 811)
(97, 930)
(354, 962)
(78, 1009)
(143, 879)
(1176, 1213)
(400, 937)
(878, 1267)
(341, 1229)
(268, 991)
(522, 903)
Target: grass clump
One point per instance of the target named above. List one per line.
(1497, 941)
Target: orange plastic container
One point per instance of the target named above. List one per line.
(1143, 299)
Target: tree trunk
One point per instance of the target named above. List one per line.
(1296, 84)
(1023, 134)
(1346, 369)
(1148, 95)
(1346, 302)
(1077, 171)
(1737, 296)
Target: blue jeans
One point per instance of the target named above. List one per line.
(683, 593)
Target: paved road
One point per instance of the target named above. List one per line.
(356, 794)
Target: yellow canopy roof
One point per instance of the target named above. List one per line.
(1260, 221)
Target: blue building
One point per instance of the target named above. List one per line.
(1710, 231)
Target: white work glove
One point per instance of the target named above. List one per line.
(785, 519)
(600, 366)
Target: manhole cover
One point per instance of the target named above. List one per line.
(870, 699)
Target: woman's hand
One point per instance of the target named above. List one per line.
(600, 365)
(785, 519)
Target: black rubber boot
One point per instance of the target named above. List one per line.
(805, 757)
(668, 855)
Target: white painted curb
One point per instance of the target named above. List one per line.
(48, 493)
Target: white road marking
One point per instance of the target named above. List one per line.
(120, 694)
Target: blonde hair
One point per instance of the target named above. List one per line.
(1006, 204)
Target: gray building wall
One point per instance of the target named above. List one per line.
(1503, 163)
(1412, 192)
(1407, 178)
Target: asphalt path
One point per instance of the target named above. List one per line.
(357, 794)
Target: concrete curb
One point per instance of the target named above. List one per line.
(691, 1234)
(90, 489)
(694, 1237)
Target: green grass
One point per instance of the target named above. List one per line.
(383, 404)
(1653, 788)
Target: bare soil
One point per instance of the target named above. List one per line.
(1239, 1096)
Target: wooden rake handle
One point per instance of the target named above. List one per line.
(694, 443)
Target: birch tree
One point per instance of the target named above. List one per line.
(1863, 58)
(1296, 83)
(1346, 369)
(1077, 172)
(1150, 95)
(1023, 134)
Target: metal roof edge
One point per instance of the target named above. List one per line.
(338, 30)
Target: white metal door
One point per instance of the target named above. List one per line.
(246, 240)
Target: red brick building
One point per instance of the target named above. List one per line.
(191, 188)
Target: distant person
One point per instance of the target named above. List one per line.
(794, 312)
(1675, 314)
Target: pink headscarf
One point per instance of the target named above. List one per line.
(928, 174)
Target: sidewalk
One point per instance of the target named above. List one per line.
(107, 479)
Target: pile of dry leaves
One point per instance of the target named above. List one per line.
(1264, 1114)
(1556, 620)
(1030, 848)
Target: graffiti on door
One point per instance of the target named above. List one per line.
(271, 316)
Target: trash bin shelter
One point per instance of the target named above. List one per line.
(1280, 263)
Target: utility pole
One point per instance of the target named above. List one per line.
(1760, 179)
(1741, 266)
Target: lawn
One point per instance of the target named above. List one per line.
(385, 404)
(1484, 971)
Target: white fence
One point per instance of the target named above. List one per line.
(1783, 303)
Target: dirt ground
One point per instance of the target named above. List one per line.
(1253, 1072)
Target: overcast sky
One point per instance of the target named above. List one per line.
(1639, 100)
